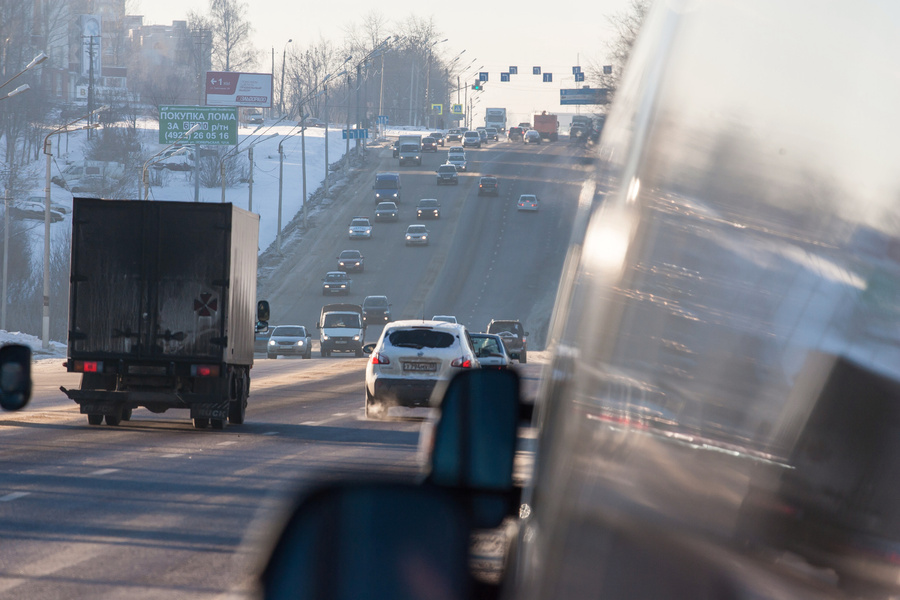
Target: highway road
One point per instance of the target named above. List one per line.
(157, 509)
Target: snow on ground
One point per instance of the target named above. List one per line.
(56, 351)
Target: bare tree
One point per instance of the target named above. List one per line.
(627, 24)
(231, 30)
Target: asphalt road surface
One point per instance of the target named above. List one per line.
(157, 509)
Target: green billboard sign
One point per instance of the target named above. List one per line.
(218, 125)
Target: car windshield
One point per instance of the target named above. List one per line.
(390, 184)
(359, 223)
(447, 169)
(386, 206)
(342, 320)
(420, 338)
(375, 302)
(427, 203)
(335, 276)
(350, 254)
(416, 229)
(289, 331)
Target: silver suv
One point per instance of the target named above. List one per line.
(472, 138)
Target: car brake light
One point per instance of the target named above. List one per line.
(461, 362)
(380, 359)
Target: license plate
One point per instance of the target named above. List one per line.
(420, 367)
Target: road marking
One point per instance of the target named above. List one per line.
(339, 415)
(13, 496)
(103, 472)
(310, 423)
(226, 443)
(271, 433)
(171, 455)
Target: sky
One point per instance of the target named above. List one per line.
(496, 35)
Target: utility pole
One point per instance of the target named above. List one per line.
(90, 83)
(325, 87)
(347, 151)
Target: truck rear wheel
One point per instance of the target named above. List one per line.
(217, 423)
(237, 408)
(126, 414)
(94, 419)
(113, 420)
(201, 422)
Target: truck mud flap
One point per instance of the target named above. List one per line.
(209, 410)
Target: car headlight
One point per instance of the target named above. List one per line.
(343, 285)
(350, 231)
(409, 237)
(271, 342)
(324, 336)
(300, 343)
(355, 338)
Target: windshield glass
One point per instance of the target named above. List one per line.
(390, 184)
(342, 320)
(289, 331)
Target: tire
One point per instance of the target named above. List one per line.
(324, 353)
(201, 423)
(523, 357)
(272, 356)
(113, 421)
(126, 414)
(217, 423)
(94, 419)
(359, 353)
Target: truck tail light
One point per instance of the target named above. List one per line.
(87, 366)
(204, 370)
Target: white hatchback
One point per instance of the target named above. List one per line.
(410, 359)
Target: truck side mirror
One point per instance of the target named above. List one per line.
(318, 326)
(15, 376)
(262, 310)
(474, 441)
(372, 540)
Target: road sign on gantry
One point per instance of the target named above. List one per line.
(456, 109)
(218, 125)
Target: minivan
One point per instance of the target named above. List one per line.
(387, 187)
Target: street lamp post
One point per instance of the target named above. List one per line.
(428, 81)
(250, 153)
(281, 184)
(45, 325)
(281, 95)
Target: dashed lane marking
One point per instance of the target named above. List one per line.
(13, 496)
(100, 472)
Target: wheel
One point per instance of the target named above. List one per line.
(217, 423)
(523, 357)
(113, 420)
(126, 414)
(359, 353)
(94, 419)
(201, 423)
(324, 353)
(273, 356)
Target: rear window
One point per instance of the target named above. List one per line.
(511, 327)
(375, 302)
(290, 331)
(420, 338)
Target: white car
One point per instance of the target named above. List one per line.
(410, 359)
(458, 160)
(360, 228)
(528, 202)
(444, 318)
(471, 138)
(290, 340)
(416, 235)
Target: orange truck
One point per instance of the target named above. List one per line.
(547, 125)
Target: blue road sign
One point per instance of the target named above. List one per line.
(536, 70)
(548, 77)
(382, 119)
(504, 76)
(355, 134)
(483, 76)
(576, 70)
(579, 76)
(514, 70)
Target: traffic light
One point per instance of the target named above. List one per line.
(478, 85)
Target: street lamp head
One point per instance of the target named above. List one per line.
(22, 88)
(37, 60)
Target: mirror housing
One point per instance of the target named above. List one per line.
(262, 326)
(262, 311)
(15, 376)
(360, 541)
(369, 348)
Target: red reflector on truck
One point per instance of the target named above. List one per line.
(204, 370)
(88, 366)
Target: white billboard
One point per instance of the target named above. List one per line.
(224, 88)
(90, 44)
